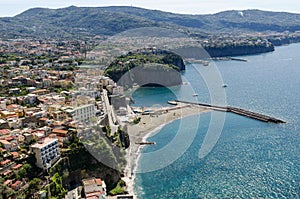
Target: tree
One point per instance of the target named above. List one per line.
(27, 167)
(22, 173)
(56, 186)
(34, 186)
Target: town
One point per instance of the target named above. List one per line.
(47, 103)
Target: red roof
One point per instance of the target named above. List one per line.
(7, 172)
(18, 166)
(10, 138)
(15, 154)
(6, 182)
(59, 131)
(39, 91)
(5, 162)
(17, 183)
(43, 119)
(94, 194)
(12, 106)
(92, 197)
(5, 142)
(4, 131)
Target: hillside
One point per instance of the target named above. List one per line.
(146, 67)
(78, 22)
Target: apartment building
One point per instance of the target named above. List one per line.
(82, 113)
(46, 152)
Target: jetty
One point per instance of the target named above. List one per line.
(239, 111)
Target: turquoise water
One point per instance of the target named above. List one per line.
(251, 159)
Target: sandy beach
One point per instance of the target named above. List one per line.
(148, 125)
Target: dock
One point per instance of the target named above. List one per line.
(239, 111)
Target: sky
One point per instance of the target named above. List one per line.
(10, 8)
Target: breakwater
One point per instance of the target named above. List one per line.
(239, 111)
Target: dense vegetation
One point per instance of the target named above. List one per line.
(148, 60)
(238, 50)
(79, 22)
(80, 160)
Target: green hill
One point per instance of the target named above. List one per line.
(145, 67)
(78, 22)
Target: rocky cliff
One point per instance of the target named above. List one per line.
(147, 66)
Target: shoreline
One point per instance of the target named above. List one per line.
(146, 128)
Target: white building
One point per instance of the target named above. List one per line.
(46, 152)
(83, 113)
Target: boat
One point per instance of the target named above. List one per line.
(145, 143)
(224, 85)
(205, 63)
(172, 102)
(195, 95)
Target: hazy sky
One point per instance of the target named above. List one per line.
(14, 7)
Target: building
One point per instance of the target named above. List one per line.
(5, 163)
(6, 144)
(7, 114)
(17, 185)
(62, 135)
(94, 188)
(82, 113)
(46, 152)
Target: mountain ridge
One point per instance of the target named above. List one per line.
(77, 22)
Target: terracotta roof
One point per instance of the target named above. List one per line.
(15, 154)
(4, 142)
(6, 182)
(4, 131)
(43, 119)
(59, 131)
(17, 183)
(10, 138)
(92, 197)
(57, 123)
(39, 91)
(18, 166)
(7, 172)
(94, 194)
(12, 106)
(5, 162)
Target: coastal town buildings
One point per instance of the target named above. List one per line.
(44, 98)
(94, 188)
(46, 152)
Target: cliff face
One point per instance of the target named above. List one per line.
(278, 41)
(147, 66)
(78, 163)
(151, 74)
(239, 50)
(173, 59)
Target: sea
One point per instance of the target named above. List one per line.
(223, 155)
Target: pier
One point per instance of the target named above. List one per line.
(239, 111)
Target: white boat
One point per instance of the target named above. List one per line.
(172, 102)
(195, 95)
(224, 85)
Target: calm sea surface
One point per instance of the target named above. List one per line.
(251, 159)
